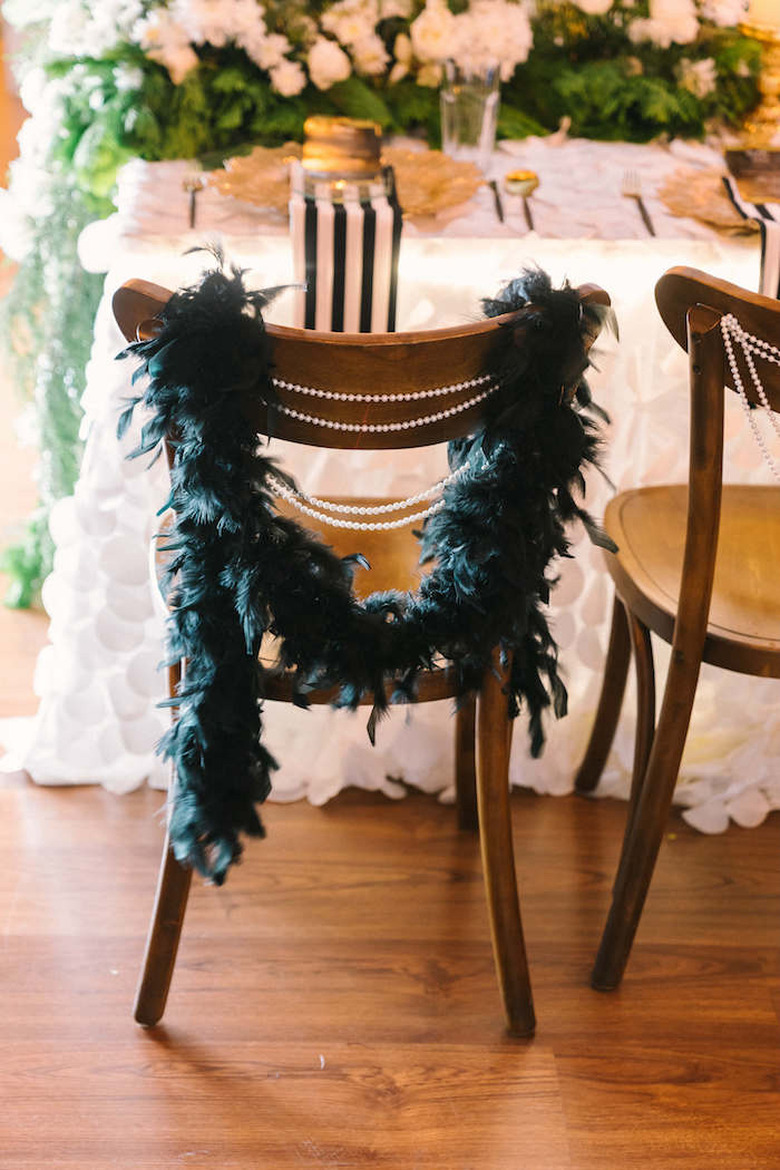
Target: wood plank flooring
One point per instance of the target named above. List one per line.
(335, 1003)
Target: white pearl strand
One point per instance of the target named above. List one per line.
(359, 525)
(368, 509)
(413, 396)
(731, 328)
(381, 428)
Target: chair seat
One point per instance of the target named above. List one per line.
(394, 557)
(648, 525)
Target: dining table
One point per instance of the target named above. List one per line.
(99, 680)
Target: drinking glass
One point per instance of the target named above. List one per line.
(469, 111)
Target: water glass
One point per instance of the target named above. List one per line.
(469, 111)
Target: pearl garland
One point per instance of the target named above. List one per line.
(414, 396)
(381, 428)
(367, 509)
(357, 525)
(731, 329)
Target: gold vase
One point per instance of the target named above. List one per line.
(762, 126)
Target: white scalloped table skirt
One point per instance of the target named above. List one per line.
(98, 680)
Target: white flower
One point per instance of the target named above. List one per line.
(430, 75)
(288, 78)
(110, 24)
(267, 51)
(167, 42)
(724, 13)
(594, 7)
(217, 22)
(389, 8)
(32, 89)
(699, 77)
(82, 29)
(351, 21)
(370, 55)
(433, 33)
(327, 63)
(68, 29)
(493, 32)
(126, 78)
(21, 13)
(670, 21)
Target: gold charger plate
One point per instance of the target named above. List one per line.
(428, 181)
(261, 177)
(700, 194)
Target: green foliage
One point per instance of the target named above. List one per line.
(514, 123)
(355, 99)
(28, 562)
(414, 108)
(47, 320)
(588, 69)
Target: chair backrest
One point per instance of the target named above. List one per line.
(680, 291)
(313, 368)
(692, 305)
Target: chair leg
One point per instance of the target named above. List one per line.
(173, 887)
(163, 943)
(644, 668)
(465, 764)
(610, 702)
(498, 863)
(646, 826)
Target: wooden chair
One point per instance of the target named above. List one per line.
(698, 566)
(391, 364)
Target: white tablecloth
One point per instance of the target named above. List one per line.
(98, 679)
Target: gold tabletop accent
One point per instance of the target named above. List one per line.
(261, 177)
(347, 148)
(700, 194)
(521, 183)
(429, 181)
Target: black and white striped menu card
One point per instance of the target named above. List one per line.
(768, 216)
(346, 240)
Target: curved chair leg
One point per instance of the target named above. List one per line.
(498, 861)
(466, 764)
(173, 887)
(645, 830)
(644, 668)
(610, 702)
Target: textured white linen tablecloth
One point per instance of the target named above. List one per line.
(98, 679)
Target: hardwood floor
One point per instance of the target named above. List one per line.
(335, 1003)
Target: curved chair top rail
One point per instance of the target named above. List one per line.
(373, 364)
(681, 289)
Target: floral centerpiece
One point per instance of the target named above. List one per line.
(107, 80)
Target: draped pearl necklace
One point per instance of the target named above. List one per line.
(342, 515)
(750, 345)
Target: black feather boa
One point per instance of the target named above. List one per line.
(238, 569)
